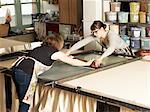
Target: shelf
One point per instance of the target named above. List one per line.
(129, 0)
(131, 23)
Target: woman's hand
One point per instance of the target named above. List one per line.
(98, 62)
(68, 53)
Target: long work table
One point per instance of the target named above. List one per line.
(121, 80)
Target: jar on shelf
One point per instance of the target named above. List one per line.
(115, 6)
(142, 17)
(134, 18)
(111, 16)
(134, 7)
(123, 17)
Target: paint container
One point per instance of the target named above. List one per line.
(135, 31)
(123, 30)
(148, 18)
(123, 17)
(148, 31)
(115, 6)
(135, 43)
(111, 16)
(126, 39)
(114, 28)
(148, 7)
(145, 43)
(134, 17)
(134, 7)
(143, 32)
(142, 17)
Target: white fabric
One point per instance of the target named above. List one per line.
(49, 99)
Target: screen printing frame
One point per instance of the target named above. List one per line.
(91, 70)
(101, 98)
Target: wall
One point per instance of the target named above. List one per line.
(92, 10)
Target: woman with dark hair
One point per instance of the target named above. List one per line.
(108, 39)
(40, 59)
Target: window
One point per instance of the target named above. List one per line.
(9, 7)
(20, 10)
(26, 14)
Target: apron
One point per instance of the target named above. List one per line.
(38, 69)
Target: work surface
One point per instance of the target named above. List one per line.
(129, 82)
(62, 72)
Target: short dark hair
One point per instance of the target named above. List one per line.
(55, 40)
(97, 25)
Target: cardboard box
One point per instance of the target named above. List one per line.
(4, 30)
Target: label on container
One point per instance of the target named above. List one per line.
(117, 9)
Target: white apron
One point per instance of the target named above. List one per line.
(38, 69)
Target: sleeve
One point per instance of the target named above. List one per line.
(113, 42)
(69, 60)
(108, 52)
(81, 43)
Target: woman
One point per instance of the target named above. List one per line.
(108, 39)
(27, 68)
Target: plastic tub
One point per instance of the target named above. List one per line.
(148, 31)
(135, 43)
(148, 7)
(142, 17)
(143, 32)
(148, 18)
(126, 39)
(123, 17)
(134, 18)
(111, 16)
(115, 6)
(135, 31)
(145, 43)
(134, 7)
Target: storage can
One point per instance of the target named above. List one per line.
(135, 31)
(134, 7)
(134, 17)
(145, 43)
(135, 43)
(148, 18)
(115, 6)
(142, 17)
(123, 17)
(111, 16)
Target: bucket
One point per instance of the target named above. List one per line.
(145, 43)
(123, 17)
(143, 32)
(148, 31)
(134, 7)
(148, 18)
(142, 17)
(148, 7)
(134, 18)
(135, 31)
(115, 6)
(123, 30)
(126, 39)
(135, 43)
(111, 16)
